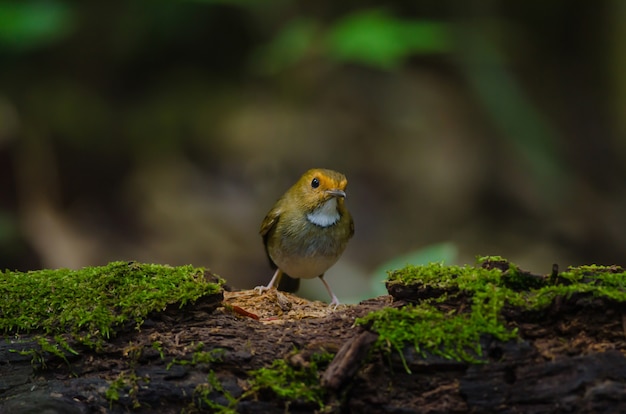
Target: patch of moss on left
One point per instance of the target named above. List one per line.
(91, 303)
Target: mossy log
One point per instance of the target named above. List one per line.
(560, 351)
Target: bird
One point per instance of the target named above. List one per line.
(308, 228)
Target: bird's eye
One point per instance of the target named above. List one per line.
(315, 183)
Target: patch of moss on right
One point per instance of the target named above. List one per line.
(594, 281)
(437, 275)
(453, 336)
(455, 333)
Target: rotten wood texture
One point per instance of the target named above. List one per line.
(570, 358)
(348, 360)
(590, 383)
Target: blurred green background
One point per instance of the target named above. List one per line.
(163, 131)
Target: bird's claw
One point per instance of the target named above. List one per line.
(261, 289)
(334, 303)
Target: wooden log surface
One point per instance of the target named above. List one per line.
(569, 359)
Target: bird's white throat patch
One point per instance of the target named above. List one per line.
(326, 215)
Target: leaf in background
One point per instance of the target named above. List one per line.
(435, 253)
(506, 101)
(370, 37)
(377, 39)
(25, 26)
(289, 47)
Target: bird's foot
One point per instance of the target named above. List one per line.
(262, 289)
(334, 303)
(274, 282)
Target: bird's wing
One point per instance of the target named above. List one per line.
(287, 283)
(351, 227)
(269, 222)
(267, 227)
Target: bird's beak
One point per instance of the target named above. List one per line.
(336, 193)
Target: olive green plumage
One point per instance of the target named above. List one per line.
(309, 227)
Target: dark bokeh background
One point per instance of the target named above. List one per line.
(164, 131)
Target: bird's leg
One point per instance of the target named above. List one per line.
(275, 281)
(335, 301)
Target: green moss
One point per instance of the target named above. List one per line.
(287, 382)
(437, 275)
(206, 394)
(93, 302)
(293, 383)
(57, 347)
(200, 357)
(158, 346)
(484, 259)
(453, 334)
(593, 281)
(433, 328)
(126, 383)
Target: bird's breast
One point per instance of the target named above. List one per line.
(305, 250)
(306, 267)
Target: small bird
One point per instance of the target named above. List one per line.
(308, 228)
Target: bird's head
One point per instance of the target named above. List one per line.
(317, 186)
